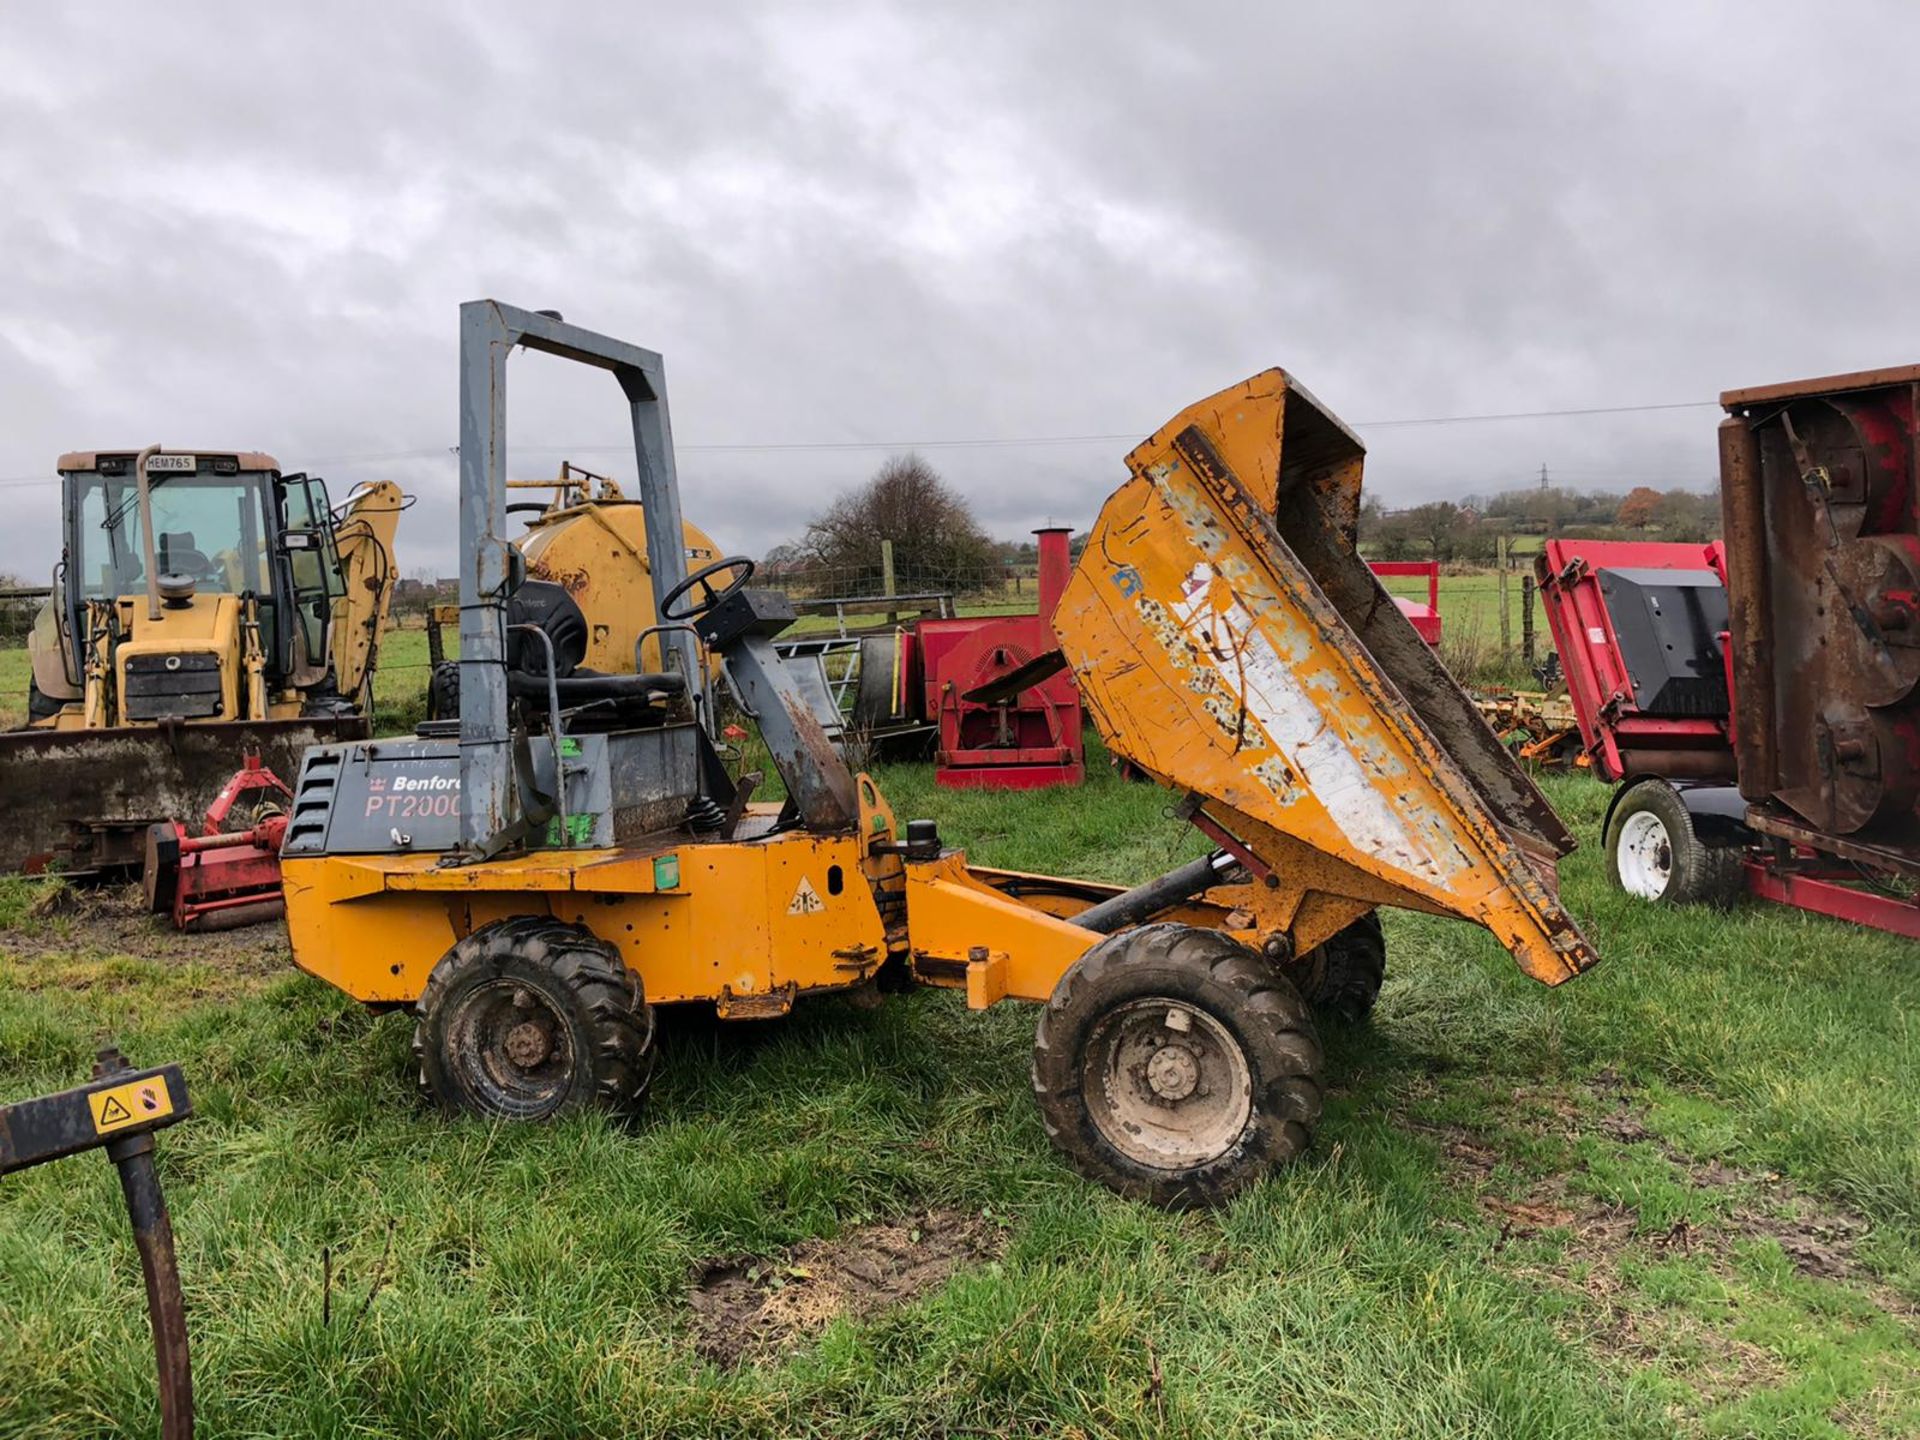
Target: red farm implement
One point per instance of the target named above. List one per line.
(1755, 702)
(1030, 739)
(223, 877)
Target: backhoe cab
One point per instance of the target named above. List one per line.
(534, 885)
(204, 605)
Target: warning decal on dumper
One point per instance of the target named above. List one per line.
(129, 1104)
(806, 899)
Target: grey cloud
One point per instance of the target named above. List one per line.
(251, 224)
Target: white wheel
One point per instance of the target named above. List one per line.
(1644, 856)
(1654, 853)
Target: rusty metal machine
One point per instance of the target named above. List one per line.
(205, 606)
(226, 874)
(535, 886)
(1757, 701)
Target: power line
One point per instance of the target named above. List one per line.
(1538, 414)
(962, 443)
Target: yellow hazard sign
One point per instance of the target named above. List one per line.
(133, 1103)
(806, 900)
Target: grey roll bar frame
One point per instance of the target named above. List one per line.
(489, 333)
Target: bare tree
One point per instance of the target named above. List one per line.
(937, 544)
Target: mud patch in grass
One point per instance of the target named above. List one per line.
(757, 1307)
(77, 921)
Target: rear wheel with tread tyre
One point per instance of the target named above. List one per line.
(1342, 976)
(530, 1017)
(1654, 851)
(1175, 1065)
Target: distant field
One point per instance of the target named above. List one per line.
(1470, 625)
(1469, 608)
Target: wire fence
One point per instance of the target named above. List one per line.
(854, 597)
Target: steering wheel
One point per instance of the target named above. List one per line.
(703, 577)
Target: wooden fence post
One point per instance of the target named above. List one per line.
(1526, 617)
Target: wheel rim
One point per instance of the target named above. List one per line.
(1166, 1084)
(1644, 855)
(510, 1048)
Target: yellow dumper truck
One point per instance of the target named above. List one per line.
(536, 878)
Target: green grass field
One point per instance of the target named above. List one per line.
(1679, 1195)
(1470, 625)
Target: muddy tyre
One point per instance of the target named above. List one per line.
(530, 1017)
(443, 691)
(1341, 977)
(1655, 853)
(1174, 1065)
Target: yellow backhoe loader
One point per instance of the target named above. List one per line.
(205, 606)
(534, 880)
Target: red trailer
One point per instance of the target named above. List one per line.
(1757, 702)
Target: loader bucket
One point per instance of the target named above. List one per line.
(81, 800)
(1229, 640)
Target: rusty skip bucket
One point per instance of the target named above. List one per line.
(1228, 639)
(81, 799)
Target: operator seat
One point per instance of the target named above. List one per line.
(180, 556)
(600, 701)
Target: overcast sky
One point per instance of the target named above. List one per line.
(250, 225)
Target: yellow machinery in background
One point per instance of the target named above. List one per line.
(205, 606)
(590, 539)
(534, 888)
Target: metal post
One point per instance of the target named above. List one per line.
(132, 1156)
(660, 502)
(487, 799)
(1526, 617)
(1506, 619)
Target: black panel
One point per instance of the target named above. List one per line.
(359, 799)
(745, 612)
(185, 686)
(1668, 623)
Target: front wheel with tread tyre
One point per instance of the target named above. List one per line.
(1175, 1065)
(530, 1017)
(1655, 852)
